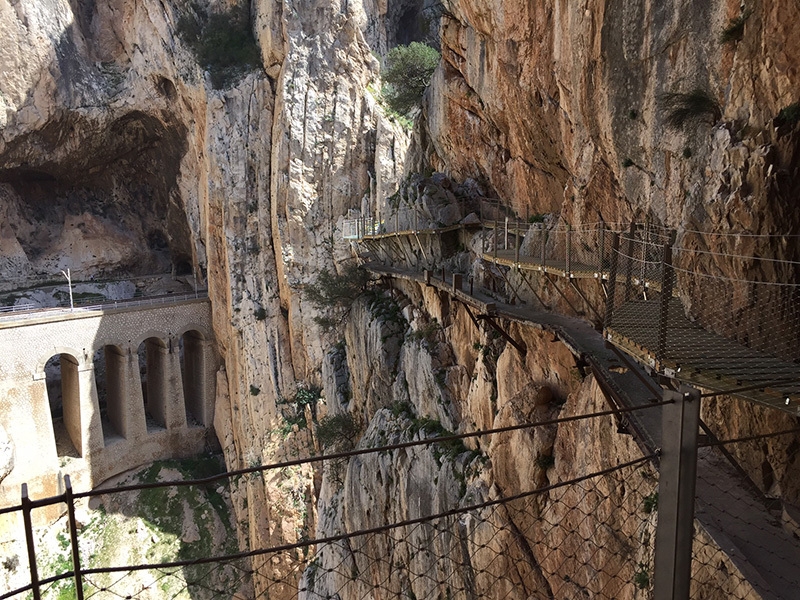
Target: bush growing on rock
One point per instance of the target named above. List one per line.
(407, 73)
(222, 42)
(336, 293)
(691, 107)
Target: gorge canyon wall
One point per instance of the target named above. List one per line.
(119, 158)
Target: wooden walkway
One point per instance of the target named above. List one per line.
(691, 354)
(576, 270)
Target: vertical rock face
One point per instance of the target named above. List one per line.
(118, 158)
(550, 100)
(116, 153)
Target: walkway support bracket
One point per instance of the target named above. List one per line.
(676, 489)
(521, 348)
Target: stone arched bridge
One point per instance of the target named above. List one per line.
(95, 392)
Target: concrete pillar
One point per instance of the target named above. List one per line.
(90, 412)
(195, 386)
(132, 400)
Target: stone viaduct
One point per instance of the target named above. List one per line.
(95, 392)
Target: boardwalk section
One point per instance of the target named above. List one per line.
(663, 305)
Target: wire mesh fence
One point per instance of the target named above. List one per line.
(747, 518)
(582, 531)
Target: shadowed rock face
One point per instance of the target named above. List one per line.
(102, 191)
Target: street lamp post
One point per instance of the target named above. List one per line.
(69, 284)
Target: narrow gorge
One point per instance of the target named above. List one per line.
(242, 155)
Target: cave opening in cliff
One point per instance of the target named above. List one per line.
(153, 356)
(193, 368)
(108, 365)
(101, 195)
(63, 394)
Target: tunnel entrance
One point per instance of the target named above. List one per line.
(63, 394)
(192, 374)
(153, 373)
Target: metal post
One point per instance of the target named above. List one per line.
(629, 268)
(495, 238)
(543, 237)
(602, 249)
(397, 220)
(612, 279)
(68, 277)
(26, 519)
(471, 284)
(73, 534)
(443, 274)
(483, 228)
(457, 282)
(676, 488)
(505, 245)
(416, 219)
(516, 245)
(666, 296)
(569, 251)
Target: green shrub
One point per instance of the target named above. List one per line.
(627, 162)
(337, 292)
(683, 109)
(407, 73)
(338, 432)
(260, 313)
(254, 390)
(222, 42)
(642, 577)
(687, 152)
(651, 503)
(789, 115)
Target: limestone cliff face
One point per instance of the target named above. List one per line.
(118, 158)
(549, 101)
(419, 367)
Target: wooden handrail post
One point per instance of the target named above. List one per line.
(612, 279)
(27, 521)
(73, 534)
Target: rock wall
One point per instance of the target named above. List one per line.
(418, 367)
(559, 107)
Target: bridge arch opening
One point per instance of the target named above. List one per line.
(109, 371)
(153, 356)
(193, 368)
(63, 394)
